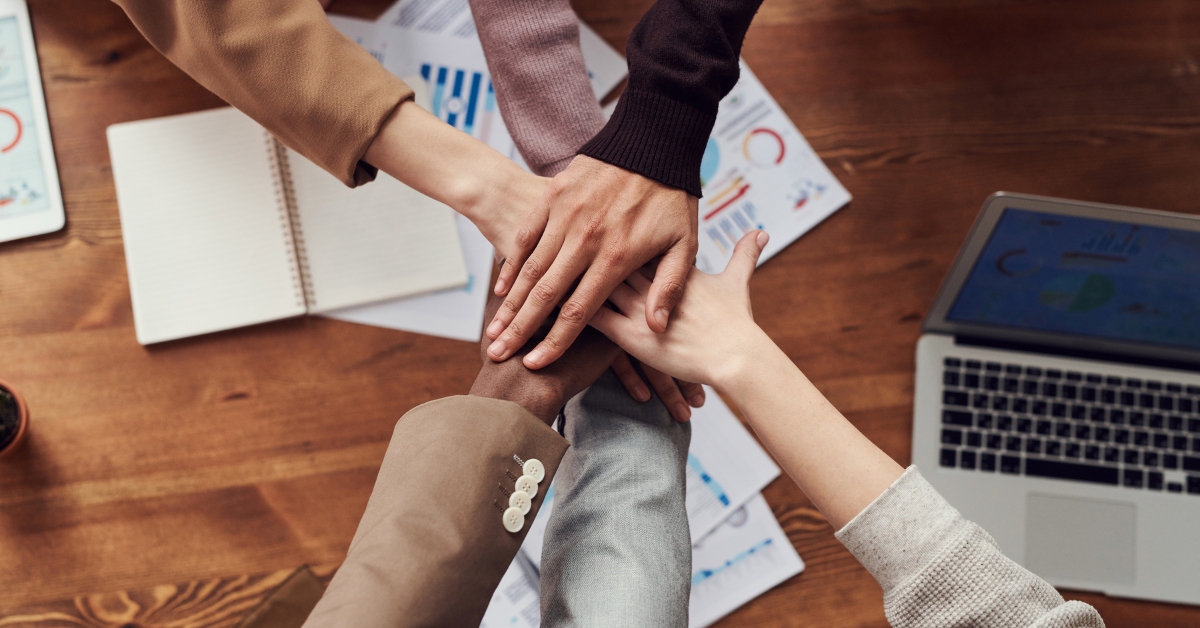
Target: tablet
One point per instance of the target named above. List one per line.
(30, 197)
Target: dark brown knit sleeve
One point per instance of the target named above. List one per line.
(683, 58)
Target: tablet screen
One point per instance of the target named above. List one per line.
(1114, 280)
(22, 174)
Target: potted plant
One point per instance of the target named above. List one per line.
(14, 418)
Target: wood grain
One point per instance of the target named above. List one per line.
(209, 603)
(226, 461)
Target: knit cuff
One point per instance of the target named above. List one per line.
(902, 530)
(656, 137)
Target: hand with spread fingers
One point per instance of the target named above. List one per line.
(713, 330)
(677, 395)
(597, 224)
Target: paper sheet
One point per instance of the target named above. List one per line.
(725, 468)
(758, 172)
(454, 313)
(742, 559)
(516, 603)
(606, 67)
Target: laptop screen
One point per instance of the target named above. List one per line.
(1085, 276)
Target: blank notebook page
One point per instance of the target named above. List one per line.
(381, 240)
(205, 240)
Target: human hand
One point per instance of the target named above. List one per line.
(601, 223)
(677, 395)
(712, 335)
(545, 391)
(464, 173)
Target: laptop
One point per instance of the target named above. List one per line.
(1057, 398)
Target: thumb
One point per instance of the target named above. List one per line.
(745, 256)
(667, 289)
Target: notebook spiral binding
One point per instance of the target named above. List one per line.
(289, 218)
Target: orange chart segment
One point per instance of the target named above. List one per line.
(6, 114)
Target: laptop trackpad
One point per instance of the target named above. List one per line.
(1080, 539)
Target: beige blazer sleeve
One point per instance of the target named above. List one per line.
(431, 547)
(283, 64)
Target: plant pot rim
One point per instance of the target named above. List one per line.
(22, 417)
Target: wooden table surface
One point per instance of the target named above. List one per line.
(226, 461)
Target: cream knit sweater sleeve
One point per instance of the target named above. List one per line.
(938, 569)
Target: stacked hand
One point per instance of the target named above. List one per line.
(545, 391)
(593, 220)
(596, 224)
(601, 223)
(713, 333)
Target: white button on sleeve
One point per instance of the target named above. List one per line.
(535, 469)
(527, 484)
(521, 501)
(513, 520)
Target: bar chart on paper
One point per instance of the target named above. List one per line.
(725, 466)
(463, 98)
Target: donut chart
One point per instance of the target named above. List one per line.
(763, 147)
(16, 137)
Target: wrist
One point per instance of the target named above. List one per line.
(502, 198)
(541, 402)
(750, 354)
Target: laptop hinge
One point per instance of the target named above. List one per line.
(976, 341)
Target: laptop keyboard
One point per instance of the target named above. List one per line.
(1085, 427)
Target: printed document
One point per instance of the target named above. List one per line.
(758, 172)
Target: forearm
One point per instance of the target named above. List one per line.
(450, 166)
(542, 87)
(683, 58)
(431, 546)
(938, 569)
(282, 63)
(839, 469)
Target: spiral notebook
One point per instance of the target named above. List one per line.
(225, 227)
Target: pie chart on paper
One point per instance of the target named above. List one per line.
(710, 162)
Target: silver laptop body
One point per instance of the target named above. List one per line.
(1057, 398)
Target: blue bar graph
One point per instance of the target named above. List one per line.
(439, 90)
(712, 485)
(454, 104)
(458, 101)
(469, 125)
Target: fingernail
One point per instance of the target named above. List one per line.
(762, 238)
(660, 315)
(682, 412)
(535, 357)
(643, 394)
(497, 349)
(697, 401)
(500, 286)
(494, 329)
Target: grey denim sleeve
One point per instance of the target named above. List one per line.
(618, 552)
(938, 569)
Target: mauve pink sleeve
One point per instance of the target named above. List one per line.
(542, 87)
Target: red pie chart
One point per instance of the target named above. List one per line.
(17, 136)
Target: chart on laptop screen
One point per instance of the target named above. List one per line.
(1121, 281)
